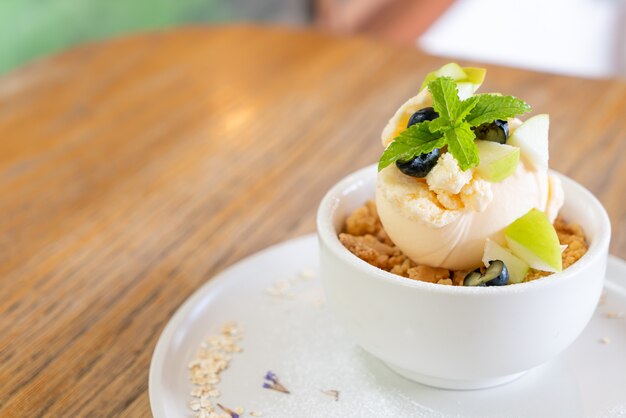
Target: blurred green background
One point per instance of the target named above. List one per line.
(33, 28)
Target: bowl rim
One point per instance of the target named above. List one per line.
(328, 236)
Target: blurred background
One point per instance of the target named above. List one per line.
(575, 37)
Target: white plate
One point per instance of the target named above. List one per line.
(298, 340)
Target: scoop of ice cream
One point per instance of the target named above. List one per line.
(441, 229)
(556, 197)
(399, 120)
(444, 219)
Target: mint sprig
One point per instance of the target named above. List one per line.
(493, 106)
(413, 141)
(461, 145)
(453, 126)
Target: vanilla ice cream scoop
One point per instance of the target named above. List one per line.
(429, 233)
(445, 218)
(440, 214)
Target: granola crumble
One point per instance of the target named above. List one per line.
(365, 237)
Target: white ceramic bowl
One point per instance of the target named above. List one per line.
(459, 337)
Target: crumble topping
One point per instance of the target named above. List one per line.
(366, 238)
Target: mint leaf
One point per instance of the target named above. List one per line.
(446, 102)
(439, 124)
(492, 106)
(461, 145)
(465, 107)
(445, 98)
(413, 141)
(454, 125)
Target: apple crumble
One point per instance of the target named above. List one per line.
(365, 237)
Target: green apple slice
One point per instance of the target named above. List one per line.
(497, 161)
(468, 79)
(533, 239)
(532, 139)
(452, 70)
(475, 76)
(516, 266)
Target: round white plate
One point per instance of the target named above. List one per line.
(296, 337)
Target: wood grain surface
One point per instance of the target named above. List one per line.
(131, 171)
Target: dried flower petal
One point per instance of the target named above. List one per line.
(276, 386)
(229, 411)
(271, 376)
(331, 392)
(274, 383)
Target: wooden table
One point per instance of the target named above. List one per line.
(132, 171)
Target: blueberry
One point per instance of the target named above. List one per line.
(495, 275)
(473, 278)
(496, 131)
(427, 113)
(421, 165)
